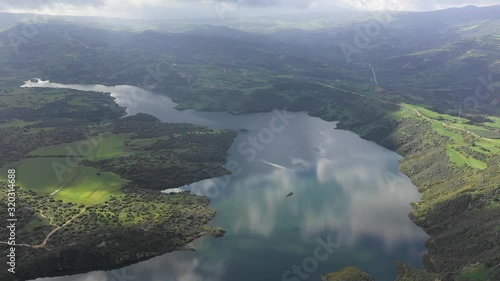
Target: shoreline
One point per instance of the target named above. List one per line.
(399, 147)
(120, 248)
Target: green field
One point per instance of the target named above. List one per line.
(452, 134)
(83, 185)
(460, 159)
(479, 273)
(15, 123)
(27, 97)
(80, 184)
(495, 124)
(99, 147)
(460, 135)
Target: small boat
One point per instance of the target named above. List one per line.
(289, 194)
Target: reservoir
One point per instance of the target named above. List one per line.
(304, 199)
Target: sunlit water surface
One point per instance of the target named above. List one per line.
(345, 189)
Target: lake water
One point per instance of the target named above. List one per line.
(349, 207)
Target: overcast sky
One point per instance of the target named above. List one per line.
(212, 8)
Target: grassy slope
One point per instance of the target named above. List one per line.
(455, 170)
(459, 207)
(347, 274)
(81, 186)
(94, 205)
(108, 146)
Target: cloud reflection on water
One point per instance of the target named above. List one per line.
(341, 184)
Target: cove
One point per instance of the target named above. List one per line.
(349, 207)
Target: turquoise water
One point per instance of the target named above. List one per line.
(349, 207)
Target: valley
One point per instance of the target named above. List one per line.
(433, 101)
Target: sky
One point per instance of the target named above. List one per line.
(165, 9)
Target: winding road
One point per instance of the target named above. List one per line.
(420, 114)
(45, 241)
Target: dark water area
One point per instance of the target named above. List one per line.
(349, 207)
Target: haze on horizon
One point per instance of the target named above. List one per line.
(178, 9)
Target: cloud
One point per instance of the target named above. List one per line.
(42, 4)
(166, 9)
(37, 4)
(260, 3)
